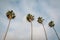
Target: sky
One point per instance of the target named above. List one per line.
(20, 28)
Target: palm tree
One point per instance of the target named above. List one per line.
(51, 24)
(10, 15)
(30, 18)
(40, 20)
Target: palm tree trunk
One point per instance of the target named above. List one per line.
(7, 30)
(56, 33)
(45, 32)
(31, 31)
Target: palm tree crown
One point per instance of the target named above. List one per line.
(10, 14)
(40, 20)
(30, 17)
(51, 24)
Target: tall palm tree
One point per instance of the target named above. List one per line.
(40, 20)
(51, 24)
(30, 18)
(10, 15)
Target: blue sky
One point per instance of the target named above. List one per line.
(20, 27)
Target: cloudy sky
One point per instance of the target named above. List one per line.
(20, 27)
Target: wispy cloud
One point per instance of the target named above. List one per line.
(20, 27)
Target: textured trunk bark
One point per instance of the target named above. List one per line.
(31, 31)
(7, 30)
(56, 33)
(45, 32)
